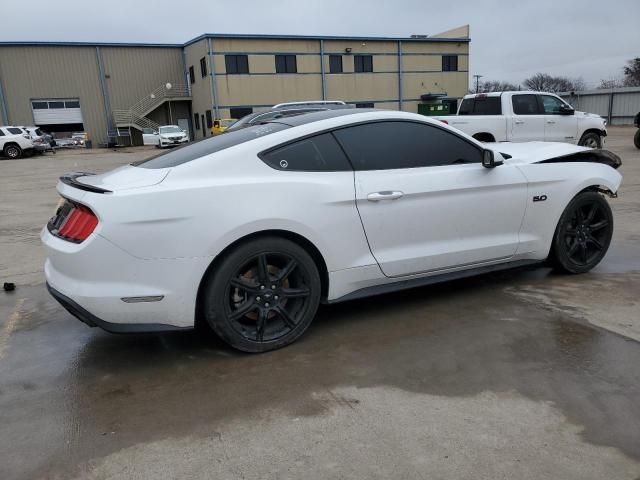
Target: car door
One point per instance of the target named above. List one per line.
(558, 127)
(425, 200)
(150, 136)
(527, 121)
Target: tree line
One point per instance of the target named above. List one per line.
(543, 82)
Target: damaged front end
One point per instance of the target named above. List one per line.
(593, 156)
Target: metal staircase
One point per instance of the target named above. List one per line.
(135, 116)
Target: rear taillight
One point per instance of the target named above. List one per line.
(73, 222)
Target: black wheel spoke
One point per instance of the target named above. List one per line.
(573, 248)
(583, 252)
(262, 323)
(263, 268)
(286, 317)
(599, 225)
(571, 232)
(295, 292)
(286, 271)
(245, 285)
(596, 242)
(592, 213)
(242, 310)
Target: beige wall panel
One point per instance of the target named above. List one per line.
(201, 89)
(265, 45)
(30, 72)
(455, 84)
(258, 63)
(463, 62)
(339, 46)
(410, 106)
(367, 86)
(308, 63)
(426, 47)
(267, 89)
(135, 72)
(422, 62)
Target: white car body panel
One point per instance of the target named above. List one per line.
(160, 229)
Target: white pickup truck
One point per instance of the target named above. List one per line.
(526, 116)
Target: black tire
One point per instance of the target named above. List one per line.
(636, 139)
(12, 151)
(583, 234)
(263, 295)
(591, 140)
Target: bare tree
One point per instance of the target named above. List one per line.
(543, 82)
(611, 83)
(496, 86)
(632, 73)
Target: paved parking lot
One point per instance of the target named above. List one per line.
(522, 374)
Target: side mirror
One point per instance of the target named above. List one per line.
(488, 159)
(566, 110)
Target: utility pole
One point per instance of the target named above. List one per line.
(478, 77)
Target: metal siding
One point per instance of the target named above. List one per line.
(626, 103)
(201, 99)
(30, 72)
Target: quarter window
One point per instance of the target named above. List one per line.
(391, 145)
(449, 63)
(363, 63)
(525, 104)
(551, 104)
(315, 154)
(15, 131)
(1, 133)
(236, 64)
(286, 64)
(335, 63)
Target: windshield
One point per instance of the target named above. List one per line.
(170, 130)
(227, 123)
(209, 145)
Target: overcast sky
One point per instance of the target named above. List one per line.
(510, 39)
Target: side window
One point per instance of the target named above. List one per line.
(551, 105)
(314, 154)
(196, 121)
(335, 63)
(203, 67)
(286, 64)
(148, 131)
(389, 145)
(449, 63)
(236, 64)
(14, 130)
(363, 63)
(525, 104)
(209, 120)
(192, 75)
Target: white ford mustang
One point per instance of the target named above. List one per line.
(248, 231)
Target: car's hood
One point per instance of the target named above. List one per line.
(534, 152)
(124, 178)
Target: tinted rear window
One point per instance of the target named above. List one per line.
(481, 106)
(209, 145)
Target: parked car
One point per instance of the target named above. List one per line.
(249, 231)
(80, 138)
(636, 137)
(41, 141)
(165, 136)
(15, 142)
(283, 110)
(526, 116)
(220, 125)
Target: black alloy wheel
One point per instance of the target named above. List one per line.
(264, 295)
(583, 234)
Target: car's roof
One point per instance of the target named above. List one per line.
(297, 120)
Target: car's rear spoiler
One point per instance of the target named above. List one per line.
(71, 180)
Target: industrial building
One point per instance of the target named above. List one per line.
(111, 89)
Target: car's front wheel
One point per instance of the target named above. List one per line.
(263, 295)
(591, 140)
(583, 234)
(12, 151)
(636, 139)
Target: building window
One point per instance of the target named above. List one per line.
(240, 112)
(286, 64)
(203, 67)
(209, 119)
(449, 63)
(192, 75)
(196, 121)
(364, 105)
(236, 64)
(335, 63)
(363, 63)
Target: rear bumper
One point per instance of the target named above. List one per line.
(91, 320)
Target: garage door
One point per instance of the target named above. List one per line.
(56, 112)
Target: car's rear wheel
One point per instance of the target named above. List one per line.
(12, 151)
(591, 140)
(636, 139)
(583, 234)
(263, 295)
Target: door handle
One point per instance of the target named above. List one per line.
(518, 122)
(551, 122)
(385, 195)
